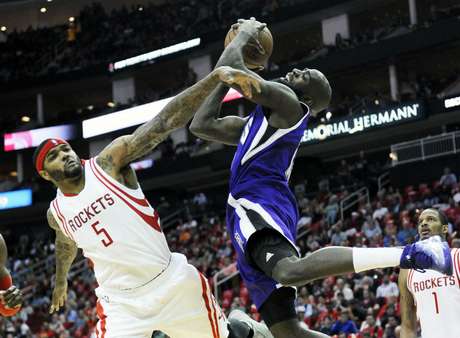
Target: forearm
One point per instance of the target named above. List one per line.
(233, 54)
(65, 255)
(209, 111)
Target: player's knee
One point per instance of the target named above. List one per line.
(286, 272)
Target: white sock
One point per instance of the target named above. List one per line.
(375, 258)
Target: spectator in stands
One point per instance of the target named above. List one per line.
(407, 234)
(332, 210)
(380, 211)
(344, 325)
(371, 228)
(449, 179)
(341, 287)
(387, 288)
(200, 200)
(369, 328)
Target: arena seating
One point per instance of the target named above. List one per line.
(387, 221)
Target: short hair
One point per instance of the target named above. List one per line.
(441, 215)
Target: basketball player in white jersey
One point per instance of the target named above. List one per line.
(431, 297)
(100, 208)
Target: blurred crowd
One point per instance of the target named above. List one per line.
(98, 37)
(355, 305)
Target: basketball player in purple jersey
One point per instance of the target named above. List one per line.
(262, 212)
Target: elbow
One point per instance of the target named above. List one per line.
(197, 129)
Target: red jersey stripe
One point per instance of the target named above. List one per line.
(149, 219)
(102, 317)
(213, 308)
(64, 220)
(61, 219)
(141, 202)
(206, 302)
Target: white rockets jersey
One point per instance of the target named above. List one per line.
(437, 298)
(116, 228)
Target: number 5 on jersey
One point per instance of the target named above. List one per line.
(107, 240)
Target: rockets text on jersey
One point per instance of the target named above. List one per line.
(437, 298)
(116, 228)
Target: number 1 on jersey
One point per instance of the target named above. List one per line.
(107, 240)
(436, 304)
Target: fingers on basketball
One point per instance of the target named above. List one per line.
(257, 53)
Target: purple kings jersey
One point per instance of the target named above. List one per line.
(260, 172)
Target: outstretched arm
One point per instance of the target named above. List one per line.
(176, 114)
(408, 310)
(66, 251)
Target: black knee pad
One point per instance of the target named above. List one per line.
(266, 248)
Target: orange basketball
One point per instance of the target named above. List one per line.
(252, 57)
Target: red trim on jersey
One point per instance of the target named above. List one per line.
(456, 262)
(102, 317)
(409, 279)
(208, 308)
(213, 303)
(149, 219)
(61, 218)
(141, 202)
(64, 220)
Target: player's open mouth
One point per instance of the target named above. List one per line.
(425, 233)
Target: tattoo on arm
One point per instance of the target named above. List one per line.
(65, 250)
(176, 114)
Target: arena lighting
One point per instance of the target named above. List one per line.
(71, 19)
(122, 119)
(15, 199)
(25, 119)
(32, 138)
(155, 54)
(132, 116)
(328, 115)
(452, 102)
(144, 164)
(43, 9)
(3, 28)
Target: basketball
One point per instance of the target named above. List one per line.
(252, 57)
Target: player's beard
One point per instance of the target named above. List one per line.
(69, 172)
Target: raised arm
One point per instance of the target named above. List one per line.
(66, 251)
(176, 114)
(207, 124)
(408, 310)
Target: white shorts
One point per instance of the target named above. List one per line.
(179, 303)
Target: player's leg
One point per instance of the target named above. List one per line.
(279, 314)
(265, 248)
(118, 321)
(277, 259)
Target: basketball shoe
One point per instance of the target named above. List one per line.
(259, 329)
